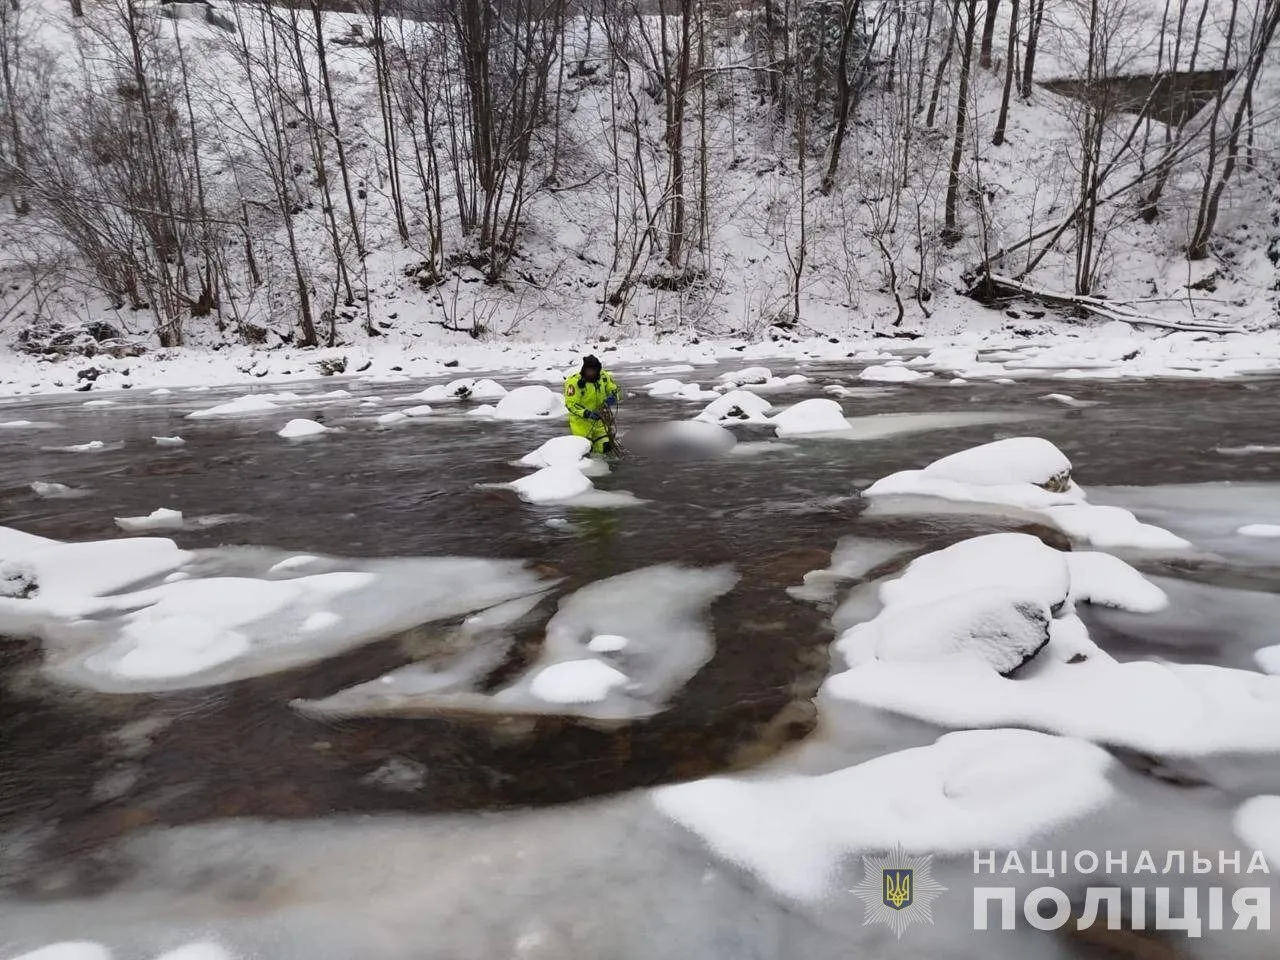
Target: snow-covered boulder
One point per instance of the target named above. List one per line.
(809, 417)
(993, 626)
(751, 375)
(552, 484)
(664, 388)
(465, 389)
(1017, 562)
(737, 405)
(389, 419)
(533, 402)
(1012, 460)
(169, 441)
(558, 452)
(892, 374)
(295, 429)
(160, 519)
(421, 410)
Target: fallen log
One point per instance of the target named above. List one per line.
(995, 286)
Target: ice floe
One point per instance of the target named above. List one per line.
(615, 650)
(113, 617)
(169, 441)
(250, 405)
(161, 518)
(47, 490)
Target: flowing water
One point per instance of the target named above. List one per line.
(206, 759)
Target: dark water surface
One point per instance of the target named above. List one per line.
(412, 490)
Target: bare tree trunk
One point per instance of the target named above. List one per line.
(969, 25)
(1035, 12)
(943, 62)
(1211, 199)
(386, 96)
(844, 94)
(1002, 120)
(988, 33)
(77, 8)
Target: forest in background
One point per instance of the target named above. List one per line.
(262, 173)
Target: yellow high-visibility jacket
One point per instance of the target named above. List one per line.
(582, 399)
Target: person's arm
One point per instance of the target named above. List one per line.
(612, 393)
(573, 400)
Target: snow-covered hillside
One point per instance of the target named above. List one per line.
(664, 184)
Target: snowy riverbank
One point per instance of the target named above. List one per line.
(1107, 352)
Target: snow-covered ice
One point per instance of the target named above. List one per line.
(1259, 530)
(892, 374)
(161, 518)
(420, 410)
(169, 441)
(387, 419)
(250, 405)
(969, 790)
(552, 484)
(113, 618)
(615, 650)
(47, 490)
(297, 428)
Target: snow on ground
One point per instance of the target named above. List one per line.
(616, 650)
(1026, 473)
(114, 615)
(970, 790)
(297, 428)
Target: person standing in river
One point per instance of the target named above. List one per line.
(591, 396)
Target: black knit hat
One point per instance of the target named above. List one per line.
(590, 363)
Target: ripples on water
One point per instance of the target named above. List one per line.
(84, 773)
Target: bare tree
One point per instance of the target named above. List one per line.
(967, 11)
(997, 138)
